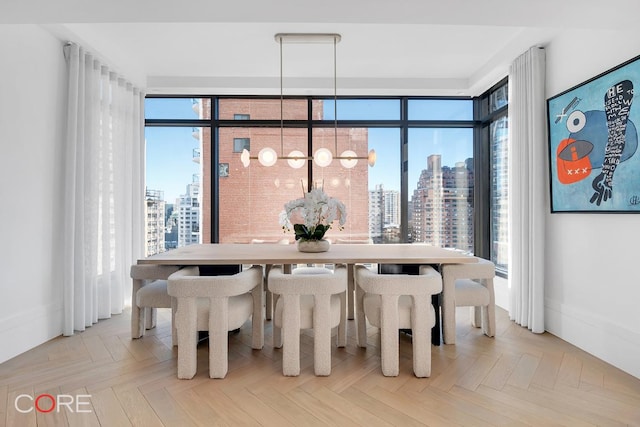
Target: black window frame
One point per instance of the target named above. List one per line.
(479, 123)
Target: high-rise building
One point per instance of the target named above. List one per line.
(155, 223)
(188, 207)
(391, 208)
(384, 215)
(442, 205)
(376, 213)
(170, 227)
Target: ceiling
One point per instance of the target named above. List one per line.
(402, 47)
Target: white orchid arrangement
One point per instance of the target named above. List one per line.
(312, 215)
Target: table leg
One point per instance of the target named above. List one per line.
(350, 290)
(435, 331)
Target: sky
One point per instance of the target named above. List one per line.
(169, 157)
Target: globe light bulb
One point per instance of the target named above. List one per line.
(323, 157)
(348, 162)
(371, 158)
(267, 156)
(296, 163)
(244, 158)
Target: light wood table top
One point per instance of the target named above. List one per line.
(236, 253)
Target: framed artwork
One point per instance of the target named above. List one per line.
(593, 142)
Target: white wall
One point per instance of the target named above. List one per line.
(592, 286)
(32, 117)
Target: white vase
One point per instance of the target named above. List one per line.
(313, 245)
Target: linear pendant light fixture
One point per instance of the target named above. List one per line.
(323, 156)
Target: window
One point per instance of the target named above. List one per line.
(172, 108)
(175, 156)
(441, 183)
(240, 144)
(420, 190)
(495, 141)
(440, 109)
(499, 137)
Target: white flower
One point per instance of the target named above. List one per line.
(312, 215)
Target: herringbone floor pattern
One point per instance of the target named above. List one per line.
(516, 379)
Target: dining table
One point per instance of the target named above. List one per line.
(401, 254)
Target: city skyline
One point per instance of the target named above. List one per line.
(170, 166)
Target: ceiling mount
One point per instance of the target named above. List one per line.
(308, 38)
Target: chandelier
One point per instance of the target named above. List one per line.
(323, 156)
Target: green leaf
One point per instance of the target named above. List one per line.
(319, 232)
(301, 231)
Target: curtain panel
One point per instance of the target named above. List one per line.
(104, 189)
(528, 203)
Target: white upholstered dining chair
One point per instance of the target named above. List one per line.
(468, 285)
(398, 301)
(149, 292)
(217, 304)
(308, 301)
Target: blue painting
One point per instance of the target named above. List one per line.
(593, 143)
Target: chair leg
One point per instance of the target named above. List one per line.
(150, 317)
(137, 313)
(174, 332)
(218, 339)
(489, 320)
(421, 319)
(277, 337)
(137, 321)
(490, 313)
(186, 324)
(277, 331)
(291, 335)
(342, 327)
(257, 324)
(389, 341)
(476, 316)
(361, 321)
(448, 311)
(322, 335)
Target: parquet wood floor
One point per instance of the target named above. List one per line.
(516, 379)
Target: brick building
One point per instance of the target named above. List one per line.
(251, 198)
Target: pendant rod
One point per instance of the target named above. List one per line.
(281, 105)
(335, 98)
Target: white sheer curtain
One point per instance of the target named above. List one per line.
(527, 188)
(104, 189)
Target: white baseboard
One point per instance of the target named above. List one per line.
(501, 291)
(613, 343)
(28, 329)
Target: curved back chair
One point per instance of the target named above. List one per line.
(268, 297)
(398, 301)
(149, 292)
(342, 327)
(307, 301)
(468, 285)
(217, 304)
(350, 280)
